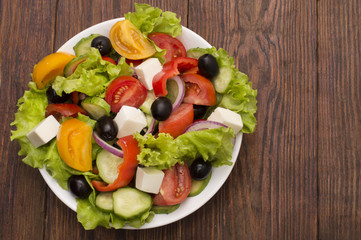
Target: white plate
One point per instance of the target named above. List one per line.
(191, 204)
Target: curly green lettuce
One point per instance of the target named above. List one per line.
(213, 145)
(149, 20)
(91, 76)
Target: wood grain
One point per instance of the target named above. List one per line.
(272, 192)
(339, 119)
(27, 31)
(296, 177)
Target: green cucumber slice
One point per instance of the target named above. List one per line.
(130, 202)
(83, 46)
(164, 209)
(198, 186)
(222, 80)
(107, 164)
(147, 104)
(104, 201)
(73, 64)
(96, 107)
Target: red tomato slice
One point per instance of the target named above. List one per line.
(178, 121)
(126, 169)
(125, 90)
(58, 110)
(199, 90)
(171, 69)
(109, 59)
(174, 47)
(175, 187)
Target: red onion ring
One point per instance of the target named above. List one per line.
(181, 91)
(151, 126)
(203, 125)
(106, 146)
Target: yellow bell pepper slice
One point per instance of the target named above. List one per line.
(50, 67)
(129, 42)
(74, 144)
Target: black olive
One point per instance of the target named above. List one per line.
(199, 111)
(161, 108)
(200, 169)
(79, 186)
(106, 128)
(55, 98)
(208, 66)
(103, 44)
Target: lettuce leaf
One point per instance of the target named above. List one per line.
(239, 96)
(91, 76)
(214, 145)
(149, 20)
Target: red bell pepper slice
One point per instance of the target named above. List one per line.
(171, 69)
(126, 170)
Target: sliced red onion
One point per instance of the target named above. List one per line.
(181, 92)
(106, 146)
(151, 126)
(203, 125)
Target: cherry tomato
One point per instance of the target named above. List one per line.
(125, 90)
(126, 169)
(58, 110)
(174, 47)
(178, 121)
(111, 60)
(199, 90)
(171, 69)
(129, 42)
(49, 67)
(175, 187)
(74, 143)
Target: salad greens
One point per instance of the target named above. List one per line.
(149, 20)
(92, 78)
(214, 145)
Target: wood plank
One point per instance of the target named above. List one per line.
(26, 29)
(339, 119)
(272, 192)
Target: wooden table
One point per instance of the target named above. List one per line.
(296, 177)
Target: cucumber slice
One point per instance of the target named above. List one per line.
(104, 201)
(164, 209)
(97, 107)
(130, 202)
(107, 165)
(195, 53)
(145, 107)
(73, 64)
(198, 186)
(83, 46)
(222, 80)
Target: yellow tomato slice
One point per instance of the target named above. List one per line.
(129, 42)
(49, 67)
(74, 144)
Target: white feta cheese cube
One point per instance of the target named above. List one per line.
(227, 117)
(44, 131)
(129, 120)
(149, 179)
(147, 70)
